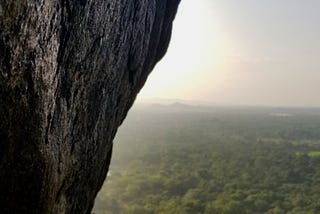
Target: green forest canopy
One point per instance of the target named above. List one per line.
(224, 160)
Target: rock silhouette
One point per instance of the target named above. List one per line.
(69, 72)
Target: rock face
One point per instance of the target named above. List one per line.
(69, 72)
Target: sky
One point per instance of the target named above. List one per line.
(248, 52)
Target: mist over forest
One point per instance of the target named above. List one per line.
(180, 158)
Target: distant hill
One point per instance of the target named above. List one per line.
(168, 101)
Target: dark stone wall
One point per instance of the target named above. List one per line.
(69, 72)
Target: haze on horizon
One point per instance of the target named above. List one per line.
(245, 52)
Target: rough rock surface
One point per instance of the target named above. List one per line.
(69, 72)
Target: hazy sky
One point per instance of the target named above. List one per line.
(263, 52)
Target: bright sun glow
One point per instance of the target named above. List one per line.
(192, 60)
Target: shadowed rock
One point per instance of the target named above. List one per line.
(69, 72)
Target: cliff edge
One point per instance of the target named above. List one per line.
(69, 72)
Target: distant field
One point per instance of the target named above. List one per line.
(224, 160)
(314, 154)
